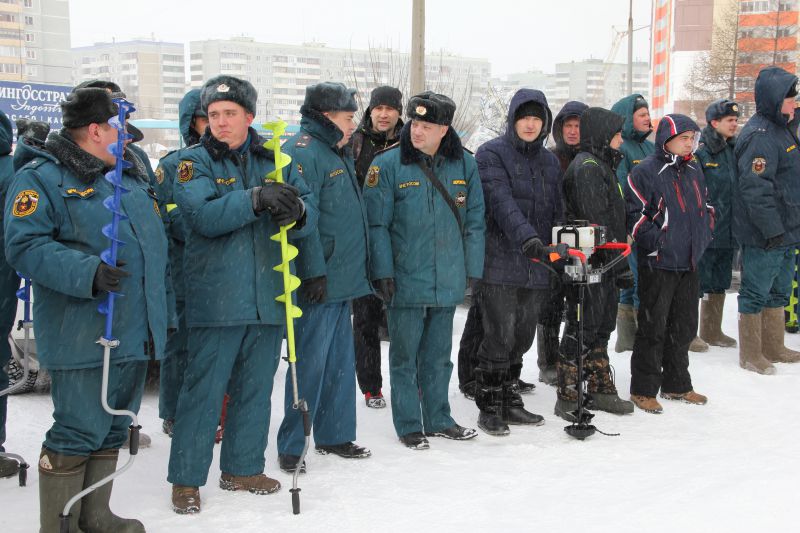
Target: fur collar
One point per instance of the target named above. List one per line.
(219, 150)
(449, 149)
(84, 165)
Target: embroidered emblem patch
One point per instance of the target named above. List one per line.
(156, 209)
(159, 175)
(461, 199)
(185, 171)
(459, 182)
(373, 174)
(335, 173)
(82, 194)
(25, 203)
(414, 183)
(223, 181)
(759, 165)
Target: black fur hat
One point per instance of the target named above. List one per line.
(231, 89)
(719, 109)
(432, 107)
(386, 95)
(33, 130)
(116, 92)
(330, 96)
(87, 106)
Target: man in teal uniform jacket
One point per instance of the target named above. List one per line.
(426, 243)
(53, 223)
(235, 325)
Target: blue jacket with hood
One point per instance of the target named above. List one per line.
(635, 146)
(668, 214)
(766, 200)
(522, 192)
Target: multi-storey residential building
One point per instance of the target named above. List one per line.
(34, 41)
(596, 82)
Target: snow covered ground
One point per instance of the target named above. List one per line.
(730, 466)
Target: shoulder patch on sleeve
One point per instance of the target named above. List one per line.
(373, 175)
(185, 171)
(25, 203)
(159, 175)
(759, 165)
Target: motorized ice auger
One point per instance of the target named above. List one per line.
(578, 240)
(290, 284)
(109, 256)
(24, 294)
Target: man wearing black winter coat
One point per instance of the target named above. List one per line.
(379, 129)
(520, 179)
(592, 193)
(671, 224)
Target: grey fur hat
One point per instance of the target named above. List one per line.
(231, 89)
(330, 96)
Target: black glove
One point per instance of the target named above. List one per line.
(624, 280)
(385, 289)
(774, 242)
(315, 289)
(107, 278)
(472, 284)
(281, 200)
(533, 248)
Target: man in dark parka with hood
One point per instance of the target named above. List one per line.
(521, 184)
(592, 193)
(379, 129)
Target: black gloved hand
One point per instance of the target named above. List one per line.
(315, 289)
(107, 278)
(281, 200)
(533, 248)
(774, 242)
(624, 280)
(385, 289)
(472, 284)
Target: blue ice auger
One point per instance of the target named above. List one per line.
(109, 256)
(24, 294)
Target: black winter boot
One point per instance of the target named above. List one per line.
(489, 399)
(513, 409)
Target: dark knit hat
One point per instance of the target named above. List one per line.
(330, 96)
(87, 106)
(386, 95)
(639, 103)
(530, 109)
(721, 108)
(231, 89)
(432, 107)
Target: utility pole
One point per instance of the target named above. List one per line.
(417, 47)
(630, 47)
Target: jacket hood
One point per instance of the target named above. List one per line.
(523, 96)
(670, 126)
(571, 109)
(6, 134)
(771, 87)
(190, 103)
(598, 127)
(625, 108)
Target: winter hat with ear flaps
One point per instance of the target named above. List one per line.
(432, 107)
(330, 96)
(228, 88)
(87, 106)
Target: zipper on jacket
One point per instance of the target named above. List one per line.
(680, 196)
(697, 194)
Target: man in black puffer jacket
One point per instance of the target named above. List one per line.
(520, 179)
(671, 223)
(592, 193)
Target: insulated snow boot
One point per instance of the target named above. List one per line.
(60, 478)
(185, 499)
(601, 386)
(751, 356)
(513, 410)
(698, 345)
(547, 352)
(347, 450)
(258, 484)
(489, 399)
(626, 328)
(96, 517)
(772, 337)
(711, 321)
(566, 393)
(8, 467)
(647, 403)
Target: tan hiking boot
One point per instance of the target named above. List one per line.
(626, 328)
(711, 321)
(698, 345)
(750, 356)
(185, 500)
(258, 484)
(686, 397)
(772, 337)
(647, 403)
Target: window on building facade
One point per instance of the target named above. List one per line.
(30, 38)
(28, 3)
(30, 54)
(31, 70)
(28, 20)
(8, 17)
(10, 68)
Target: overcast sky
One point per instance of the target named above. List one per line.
(515, 36)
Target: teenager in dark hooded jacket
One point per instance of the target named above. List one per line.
(592, 193)
(520, 179)
(566, 133)
(671, 223)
